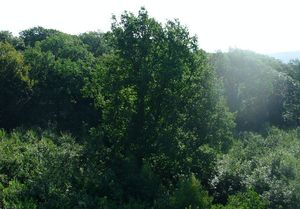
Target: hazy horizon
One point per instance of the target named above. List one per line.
(261, 26)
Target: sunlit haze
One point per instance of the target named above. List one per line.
(260, 25)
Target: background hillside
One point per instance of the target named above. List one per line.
(286, 56)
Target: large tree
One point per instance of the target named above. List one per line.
(160, 107)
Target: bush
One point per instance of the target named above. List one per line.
(190, 195)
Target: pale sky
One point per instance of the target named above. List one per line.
(263, 26)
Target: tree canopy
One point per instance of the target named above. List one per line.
(140, 117)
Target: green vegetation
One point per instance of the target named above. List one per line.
(268, 165)
(140, 117)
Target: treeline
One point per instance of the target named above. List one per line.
(140, 117)
(262, 91)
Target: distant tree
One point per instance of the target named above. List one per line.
(294, 70)
(66, 46)
(292, 101)
(59, 66)
(32, 35)
(6, 36)
(95, 41)
(255, 88)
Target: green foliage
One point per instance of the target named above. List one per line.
(33, 35)
(6, 36)
(65, 46)
(245, 200)
(146, 121)
(190, 195)
(292, 103)
(39, 170)
(96, 42)
(269, 165)
(254, 87)
(14, 196)
(59, 66)
(15, 85)
(159, 107)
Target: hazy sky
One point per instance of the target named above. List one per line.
(260, 25)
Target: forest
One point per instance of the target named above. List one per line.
(140, 117)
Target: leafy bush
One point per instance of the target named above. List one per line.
(38, 170)
(245, 200)
(269, 165)
(190, 195)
